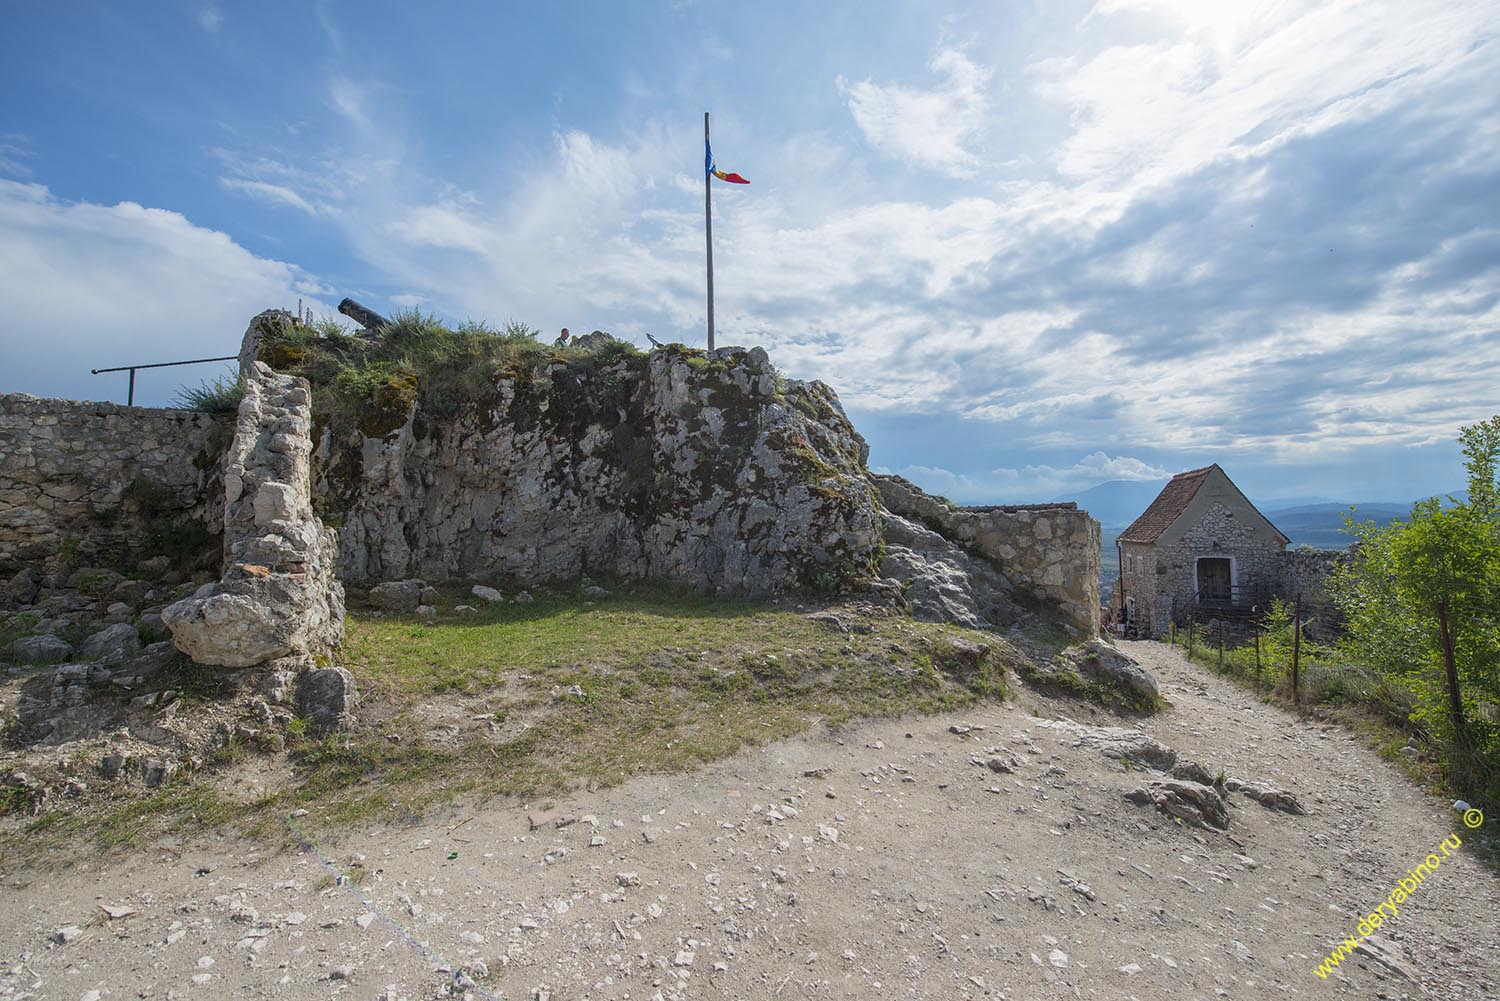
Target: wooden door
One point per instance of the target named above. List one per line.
(1214, 579)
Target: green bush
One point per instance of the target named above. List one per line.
(219, 396)
(372, 381)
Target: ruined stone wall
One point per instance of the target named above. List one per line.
(1049, 553)
(1305, 571)
(102, 484)
(278, 597)
(1138, 589)
(710, 471)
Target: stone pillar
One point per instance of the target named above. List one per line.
(278, 596)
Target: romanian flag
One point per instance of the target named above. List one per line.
(709, 168)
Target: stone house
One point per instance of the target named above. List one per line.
(1200, 546)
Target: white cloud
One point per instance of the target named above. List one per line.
(448, 223)
(275, 194)
(1033, 482)
(209, 18)
(15, 150)
(1238, 79)
(927, 128)
(1091, 470)
(350, 100)
(106, 285)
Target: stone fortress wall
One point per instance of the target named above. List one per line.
(102, 483)
(711, 471)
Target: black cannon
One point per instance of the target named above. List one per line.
(367, 318)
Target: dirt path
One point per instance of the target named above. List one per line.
(908, 870)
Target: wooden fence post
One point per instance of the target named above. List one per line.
(1190, 635)
(1257, 658)
(1296, 650)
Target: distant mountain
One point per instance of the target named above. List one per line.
(1286, 503)
(1119, 502)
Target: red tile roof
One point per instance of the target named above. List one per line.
(1168, 506)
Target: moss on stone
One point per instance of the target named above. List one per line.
(389, 406)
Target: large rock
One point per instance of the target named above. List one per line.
(326, 698)
(397, 595)
(236, 630)
(1131, 746)
(709, 470)
(1199, 805)
(1268, 796)
(1103, 663)
(278, 596)
(22, 588)
(120, 638)
(42, 649)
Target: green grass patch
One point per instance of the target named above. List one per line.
(647, 681)
(655, 682)
(370, 382)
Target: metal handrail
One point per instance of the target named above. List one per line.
(130, 393)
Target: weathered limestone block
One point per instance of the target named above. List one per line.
(278, 596)
(121, 638)
(43, 649)
(22, 588)
(1269, 796)
(1200, 805)
(943, 582)
(265, 324)
(1117, 742)
(397, 595)
(1049, 553)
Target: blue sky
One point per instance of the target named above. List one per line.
(1034, 246)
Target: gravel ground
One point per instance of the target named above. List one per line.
(884, 861)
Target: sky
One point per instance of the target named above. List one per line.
(1034, 246)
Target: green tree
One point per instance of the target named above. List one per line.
(1421, 600)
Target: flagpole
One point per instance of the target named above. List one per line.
(708, 232)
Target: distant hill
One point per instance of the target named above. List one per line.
(1322, 525)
